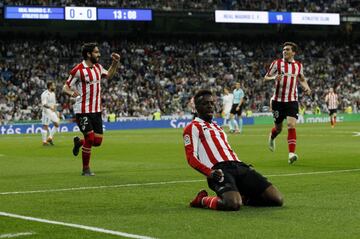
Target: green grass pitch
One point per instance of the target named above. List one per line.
(143, 185)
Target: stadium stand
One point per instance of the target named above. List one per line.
(164, 74)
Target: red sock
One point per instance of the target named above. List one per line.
(274, 133)
(86, 149)
(82, 141)
(86, 153)
(334, 120)
(292, 140)
(210, 202)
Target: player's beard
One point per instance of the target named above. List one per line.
(206, 117)
(94, 60)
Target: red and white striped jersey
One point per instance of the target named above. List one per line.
(286, 88)
(205, 145)
(86, 80)
(332, 100)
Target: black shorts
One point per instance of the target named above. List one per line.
(283, 109)
(234, 111)
(332, 111)
(239, 177)
(90, 121)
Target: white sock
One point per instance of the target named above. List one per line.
(225, 122)
(231, 125)
(52, 131)
(240, 124)
(44, 134)
(236, 126)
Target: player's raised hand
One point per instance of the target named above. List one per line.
(115, 57)
(217, 175)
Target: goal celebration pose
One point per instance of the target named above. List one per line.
(208, 151)
(286, 72)
(84, 84)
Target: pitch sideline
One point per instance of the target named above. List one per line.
(88, 228)
(19, 234)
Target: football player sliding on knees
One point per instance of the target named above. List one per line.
(208, 151)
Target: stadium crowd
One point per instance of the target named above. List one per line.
(343, 6)
(165, 74)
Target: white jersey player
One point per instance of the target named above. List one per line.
(49, 114)
(227, 101)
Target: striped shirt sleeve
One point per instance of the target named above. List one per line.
(191, 142)
(272, 69)
(301, 71)
(103, 71)
(74, 76)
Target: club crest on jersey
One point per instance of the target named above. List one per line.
(187, 140)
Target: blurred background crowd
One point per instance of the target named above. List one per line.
(162, 75)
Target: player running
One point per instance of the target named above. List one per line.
(286, 72)
(49, 114)
(208, 151)
(84, 84)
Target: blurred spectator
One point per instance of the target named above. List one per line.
(164, 75)
(157, 115)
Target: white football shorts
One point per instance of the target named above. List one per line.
(48, 118)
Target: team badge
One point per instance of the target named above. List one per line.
(187, 140)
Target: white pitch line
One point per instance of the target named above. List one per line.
(314, 173)
(100, 187)
(88, 228)
(20, 234)
(170, 182)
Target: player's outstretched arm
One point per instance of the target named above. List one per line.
(114, 65)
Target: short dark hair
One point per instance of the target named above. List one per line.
(49, 84)
(200, 94)
(293, 45)
(88, 48)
